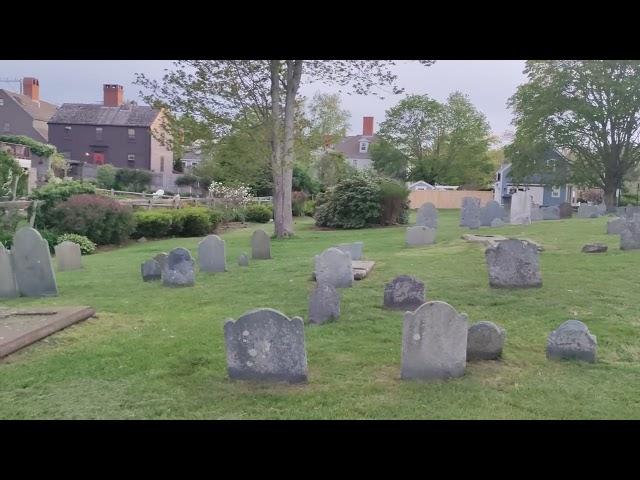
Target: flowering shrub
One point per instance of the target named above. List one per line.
(87, 247)
(237, 196)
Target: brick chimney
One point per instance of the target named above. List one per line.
(367, 126)
(113, 95)
(31, 88)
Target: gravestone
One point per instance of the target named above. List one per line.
(151, 270)
(32, 264)
(589, 211)
(602, 209)
(404, 293)
(497, 222)
(355, 249)
(470, 212)
(420, 236)
(594, 248)
(333, 266)
(434, 342)
(179, 269)
(68, 256)
(427, 216)
(485, 341)
(520, 213)
(565, 210)
(324, 304)
(264, 345)
(161, 258)
(211, 254)
(260, 245)
(513, 264)
(243, 260)
(490, 212)
(629, 211)
(615, 226)
(572, 341)
(8, 287)
(550, 213)
(536, 213)
(630, 234)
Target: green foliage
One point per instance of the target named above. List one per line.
(393, 201)
(6, 237)
(153, 223)
(87, 247)
(328, 122)
(106, 176)
(309, 208)
(52, 194)
(388, 160)
(186, 222)
(187, 180)
(51, 237)
(352, 203)
(9, 171)
(194, 222)
(38, 148)
(298, 200)
(132, 180)
(331, 168)
(258, 213)
(303, 182)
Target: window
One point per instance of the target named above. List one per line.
(98, 133)
(1, 102)
(162, 164)
(7, 127)
(131, 158)
(363, 147)
(132, 133)
(555, 192)
(67, 132)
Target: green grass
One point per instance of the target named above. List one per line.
(155, 352)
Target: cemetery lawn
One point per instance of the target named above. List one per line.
(158, 353)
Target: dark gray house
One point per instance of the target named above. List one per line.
(24, 113)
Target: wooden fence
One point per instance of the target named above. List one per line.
(446, 198)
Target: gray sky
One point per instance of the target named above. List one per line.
(489, 83)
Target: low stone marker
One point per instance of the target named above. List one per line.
(497, 222)
(565, 210)
(211, 254)
(324, 304)
(485, 341)
(550, 213)
(434, 342)
(589, 211)
(490, 212)
(32, 264)
(333, 266)
(260, 245)
(243, 260)
(355, 249)
(179, 269)
(572, 341)
(470, 212)
(8, 287)
(265, 345)
(361, 268)
(417, 236)
(151, 270)
(630, 234)
(427, 216)
(513, 264)
(594, 248)
(521, 204)
(404, 293)
(615, 226)
(68, 256)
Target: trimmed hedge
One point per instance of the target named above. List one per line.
(186, 222)
(258, 213)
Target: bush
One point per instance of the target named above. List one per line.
(297, 203)
(153, 224)
(10, 170)
(186, 222)
(187, 180)
(309, 208)
(51, 195)
(87, 247)
(132, 180)
(194, 222)
(106, 176)
(51, 237)
(101, 219)
(215, 218)
(259, 213)
(393, 201)
(6, 238)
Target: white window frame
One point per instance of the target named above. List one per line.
(131, 136)
(67, 131)
(364, 147)
(1, 102)
(7, 127)
(131, 158)
(99, 129)
(555, 192)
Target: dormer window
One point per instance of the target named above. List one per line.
(364, 146)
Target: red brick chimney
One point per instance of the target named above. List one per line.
(31, 88)
(367, 126)
(113, 95)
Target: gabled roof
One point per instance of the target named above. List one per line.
(350, 146)
(39, 110)
(126, 115)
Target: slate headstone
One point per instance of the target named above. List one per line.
(589, 211)
(427, 216)
(151, 270)
(211, 254)
(161, 258)
(513, 264)
(355, 249)
(243, 260)
(490, 212)
(572, 341)
(32, 264)
(520, 213)
(417, 236)
(8, 287)
(485, 341)
(179, 269)
(497, 222)
(470, 212)
(595, 248)
(550, 213)
(536, 213)
(68, 256)
(630, 234)
(615, 226)
(324, 304)
(404, 293)
(565, 210)
(260, 245)
(333, 266)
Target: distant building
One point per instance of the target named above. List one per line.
(191, 158)
(23, 156)
(24, 113)
(420, 185)
(356, 147)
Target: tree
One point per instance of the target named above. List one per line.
(588, 111)
(328, 121)
(219, 92)
(331, 167)
(388, 160)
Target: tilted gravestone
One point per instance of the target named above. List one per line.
(520, 213)
(565, 210)
(550, 213)
(615, 226)
(470, 212)
(513, 264)
(68, 256)
(434, 342)
(324, 304)
(630, 234)
(8, 287)
(32, 264)
(490, 212)
(404, 293)
(179, 270)
(417, 236)
(243, 260)
(485, 341)
(355, 249)
(572, 341)
(151, 270)
(427, 216)
(260, 245)
(265, 345)
(333, 266)
(211, 254)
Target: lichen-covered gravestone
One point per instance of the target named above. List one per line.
(68, 256)
(490, 212)
(589, 211)
(497, 222)
(211, 254)
(151, 270)
(404, 293)
(243, 260)
(615, 226)
(333, 266)
(419, 235)
(470, 212)
(565, 210)
(32, 264)
(8, 287)
(427, 216)
(179, 269)
(324, 304)
(630, 234)
(485, 341)
(572, 341)
(434, 342)
(264, 345)
(520, 213)
(550, 213)
(260, 245)
(513, 264)
(355, 249)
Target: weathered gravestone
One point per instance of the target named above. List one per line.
(513, 264)
(630, 234)
(520, 213)
(594, 248)
(8, 287)
(151, 270)
(417, 236)
(572, 341)
(324, 304)
(470, 212)
(243, 260)
(427, 216)
(161, 258)
(536, 213)
(615, 226)
(68, 256)
(264, 345)
(211, 254)
(629, 211)
(260, 245)
(490, 212)
(550, 213)
(333, 266)
(565, 210)
(179, 269)
(497, 222)
(404, 293)
(434, 342)
(355, 249)
(589, 211)
(485, 341)
(32, 264)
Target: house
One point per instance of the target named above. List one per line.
(356, 147)
(22, 154)
(123, 134)
(24, 113)
(420, 185)
(191, 158)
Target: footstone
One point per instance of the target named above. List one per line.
(211, 254)
(572, 341)
(470, 212)
(260, 245)
(68, 256)
(630, 234)
(496, 222)
(361, 268)
(151, 270)
(333, 266)
(550, 213)
(161, 258)
(615, 226)
(536, 214)
(420, 236)
(594, 248)
(485, 341)
(265, 345)
(324, 304)
(8, 287)
(32, 264)
(513, 264)
(355, 249)
(434, 342)
(427, 216)
(490, 212)
(520, 213)
(243, 260)
(404, 293)
(179, 269)
(565, 210)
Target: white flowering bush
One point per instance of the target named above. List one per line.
(237, 196)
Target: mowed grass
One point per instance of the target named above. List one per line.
(158, 353)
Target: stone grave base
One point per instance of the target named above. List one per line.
(492, 240)
(360, 268)
(22, 327)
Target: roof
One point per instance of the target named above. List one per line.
(126, 115)
(420, 183)
(350, 146)
(40, 110)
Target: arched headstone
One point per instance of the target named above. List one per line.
(178, 271)
(333, 266)
(260, 245)
(211, 254)
(513, 264)
(68, 256)
(427, 216)
(32, 264)
(8, 287)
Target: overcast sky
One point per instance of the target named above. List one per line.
(489, 83)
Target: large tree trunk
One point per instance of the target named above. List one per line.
(276, 147)
(610, 198)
